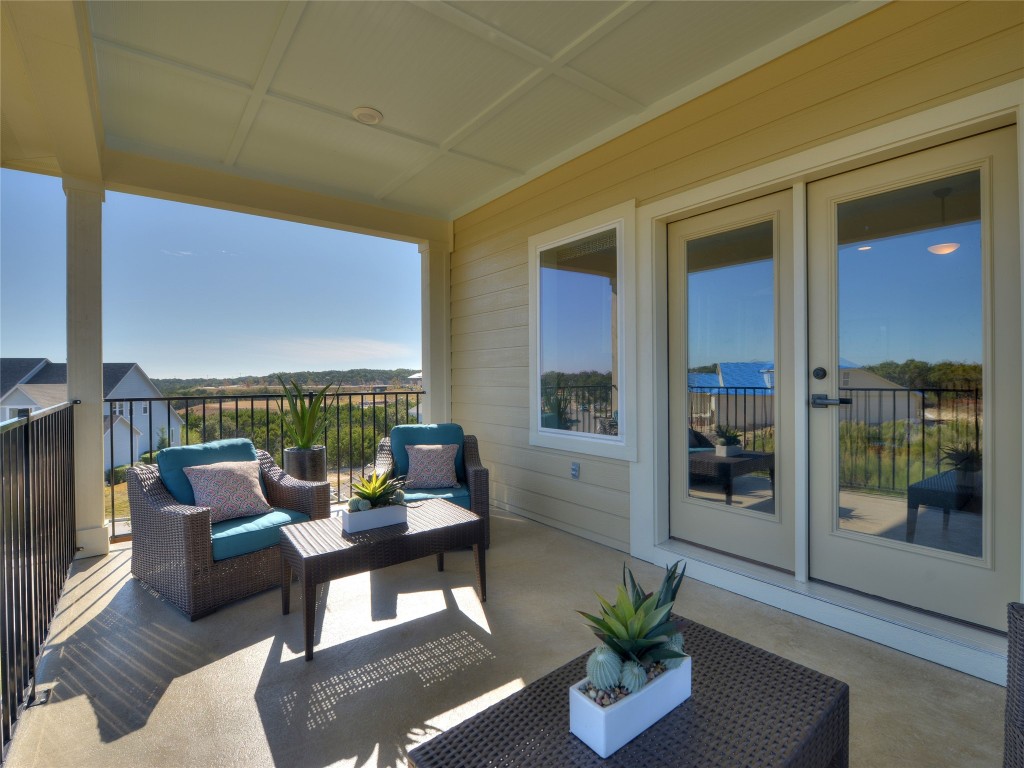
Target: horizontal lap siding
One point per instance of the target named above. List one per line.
(900, 59)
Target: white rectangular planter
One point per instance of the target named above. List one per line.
(728, 450)
(605, 729)
(354, 522)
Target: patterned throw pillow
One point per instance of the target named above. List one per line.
(432, 466)
(229, 488)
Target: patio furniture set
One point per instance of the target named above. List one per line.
(748, 706)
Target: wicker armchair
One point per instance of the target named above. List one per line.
(1013, 744)
(477, 477)
(172, 548)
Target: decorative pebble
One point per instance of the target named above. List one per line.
(607, 698)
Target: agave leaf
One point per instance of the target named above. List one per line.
(624, 605)
(654, 619)
(635, 623)
(618, 629)
(600, 623)
(630, 582)
(660, 654)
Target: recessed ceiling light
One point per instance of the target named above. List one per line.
(941, 249)
(864, 248)
(367, 115)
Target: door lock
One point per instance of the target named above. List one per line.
(824, 401)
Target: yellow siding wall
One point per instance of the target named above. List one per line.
(903, 58)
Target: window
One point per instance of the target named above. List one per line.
(117, 409)
(145, 409)
(579, 321)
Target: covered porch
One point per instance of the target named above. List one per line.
(406, 653)
(526, 128)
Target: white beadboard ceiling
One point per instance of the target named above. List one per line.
(478, 97)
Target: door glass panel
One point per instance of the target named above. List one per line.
(730, 295)
(910, 358)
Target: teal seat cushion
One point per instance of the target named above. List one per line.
(172, 463)
(242, 535)
(426, 434)
(701, 450)
(458, 495)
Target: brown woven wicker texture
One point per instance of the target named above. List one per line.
(320, 550)
(1013, 744)
(477, 477)
(749, 708)
(172, 545)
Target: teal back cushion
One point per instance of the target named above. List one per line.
(172, 463)
(426, 434)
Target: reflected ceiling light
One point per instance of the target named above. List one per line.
(941, 249)
(864, 248)
(367, 115)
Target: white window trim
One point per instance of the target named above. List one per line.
(622, 446)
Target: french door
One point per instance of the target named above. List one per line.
(729, 272)
(914, 294)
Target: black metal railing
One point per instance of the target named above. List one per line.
(748, 410)
(593, 408)
(37, 540)
(889, 437)
(139, 427)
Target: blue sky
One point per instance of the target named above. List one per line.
(576, 319)
(191, 291)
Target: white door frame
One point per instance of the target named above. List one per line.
(977, 653)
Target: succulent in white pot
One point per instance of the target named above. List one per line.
(639, 673)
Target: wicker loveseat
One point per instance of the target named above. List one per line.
(198, 566)
(472, 493)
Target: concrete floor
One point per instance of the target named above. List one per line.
(407, 652)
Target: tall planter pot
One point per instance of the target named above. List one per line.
(306, 463)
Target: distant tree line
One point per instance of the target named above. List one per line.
(555, 379)
(356, 377)
(917, 374)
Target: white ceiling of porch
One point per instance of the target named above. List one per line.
(477, 97)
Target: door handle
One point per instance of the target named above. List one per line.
(824, 401)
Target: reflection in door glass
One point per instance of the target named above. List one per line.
(730, 295)
(910, 358)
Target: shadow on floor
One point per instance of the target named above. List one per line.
(333, 707)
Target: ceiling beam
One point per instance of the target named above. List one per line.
(187, 183)
(278, 46)
(55, 42)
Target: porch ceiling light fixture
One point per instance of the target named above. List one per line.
(941, 249)
(367, 115)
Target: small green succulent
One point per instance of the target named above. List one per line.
(636, 629)
(727, 435)
(377, 491)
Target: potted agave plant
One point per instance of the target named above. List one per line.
(304, 422)
(377, 500)
(728, 442)
(639, 673)
(965, 459)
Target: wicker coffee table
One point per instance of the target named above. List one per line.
(749, 708)
(321, 551)
(724, 469)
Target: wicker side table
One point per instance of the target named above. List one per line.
(321, 551)
(749, 708)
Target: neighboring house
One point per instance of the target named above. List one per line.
(35, 383)
(742, 395)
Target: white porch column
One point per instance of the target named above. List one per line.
(85, 359)
(436, 280)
